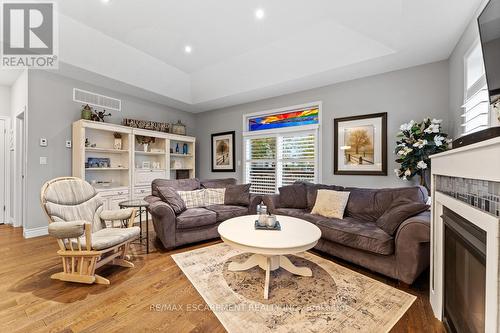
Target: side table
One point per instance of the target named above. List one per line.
(142, 206)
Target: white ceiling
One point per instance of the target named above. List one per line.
(298, 45)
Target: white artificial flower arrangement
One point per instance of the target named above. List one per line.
(416, 142)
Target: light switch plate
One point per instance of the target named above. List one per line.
(68, 144)
(43, 142)
(43, 160)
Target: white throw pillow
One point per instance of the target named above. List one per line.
(330, 203)
(193, 199)
(214, 196)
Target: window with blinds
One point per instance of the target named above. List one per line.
(298, 158)
(476, 102)
(280, 159)
(261, 164)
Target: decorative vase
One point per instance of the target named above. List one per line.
(118, 144)
(177, 149)
(179, 128)
(262, 218)
(185, 148)
(424, 181)
(146, 147)
(271, 221)
(86, 114)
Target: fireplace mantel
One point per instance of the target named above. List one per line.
(479, 161)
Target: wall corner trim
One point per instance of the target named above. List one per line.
(36, 232)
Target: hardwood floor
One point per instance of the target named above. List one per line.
(32, 302)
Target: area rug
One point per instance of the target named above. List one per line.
(334, 299)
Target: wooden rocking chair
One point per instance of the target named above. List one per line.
(78, 221)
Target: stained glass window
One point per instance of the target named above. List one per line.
(300, 117)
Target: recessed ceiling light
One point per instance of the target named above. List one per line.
(259, 14)
(188, 49)
(105, 1)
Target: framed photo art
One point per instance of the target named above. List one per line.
(360, 145)
(223, 152)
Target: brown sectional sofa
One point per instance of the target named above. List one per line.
(357, 238)
(194, 224)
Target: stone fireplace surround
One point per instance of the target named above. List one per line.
(467, 181)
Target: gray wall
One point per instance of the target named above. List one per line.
(5, 101)
(50, 115)
(412, 93)
(457, 77)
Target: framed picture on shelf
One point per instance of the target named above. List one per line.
(98, 162)
(360, 145)
(223, 152)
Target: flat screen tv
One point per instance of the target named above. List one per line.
(489, 29)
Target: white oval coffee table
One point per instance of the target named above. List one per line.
(269, 247)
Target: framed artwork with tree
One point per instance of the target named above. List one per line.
(360, 145)
(223, 152)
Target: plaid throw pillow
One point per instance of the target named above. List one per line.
(193, 199)
(214, 196)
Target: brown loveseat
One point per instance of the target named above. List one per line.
(194, 224)
(357, 238)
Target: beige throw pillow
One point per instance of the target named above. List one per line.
(330, 203)
(193, 199)
(203, 198)
(214, 196)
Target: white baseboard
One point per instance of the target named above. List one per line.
(35, 232)
(11, 221)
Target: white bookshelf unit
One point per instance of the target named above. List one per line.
(179, 159)
(127, 173)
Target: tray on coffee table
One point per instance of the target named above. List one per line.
(276, 227)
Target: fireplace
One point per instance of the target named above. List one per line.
(465, 237)
(464, 274)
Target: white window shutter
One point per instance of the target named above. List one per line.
(298, 159)
(275, 161)
(261, 164)
(476, 102)
(476, 107)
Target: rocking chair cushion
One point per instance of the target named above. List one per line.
(69, 192)
(70, 229)
(109, 237)
(117, 214)
(88, 211)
